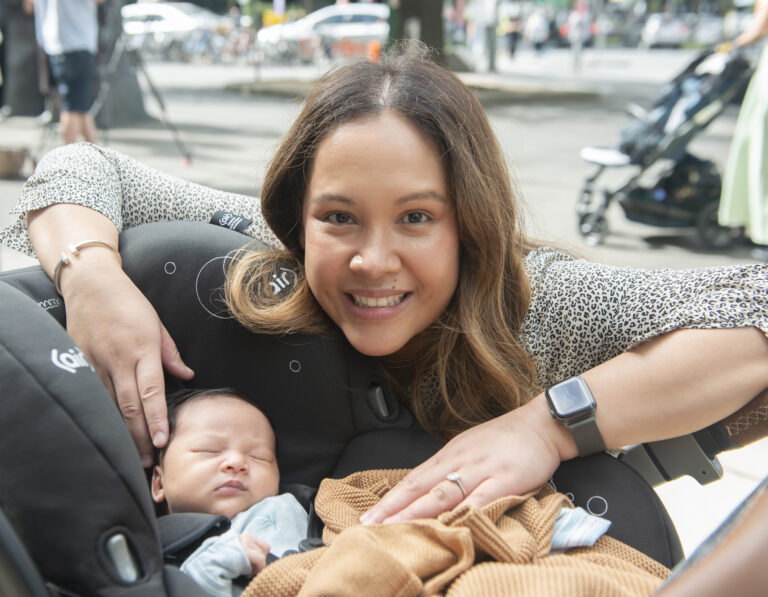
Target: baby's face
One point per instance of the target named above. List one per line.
(221, 459)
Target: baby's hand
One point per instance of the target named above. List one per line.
(256, 550)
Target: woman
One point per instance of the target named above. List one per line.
(744, 200)
(393, 202)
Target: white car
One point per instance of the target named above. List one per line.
(663, 29)
(166, 27)
(333, 31)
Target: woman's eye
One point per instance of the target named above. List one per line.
(339, 218)
(415, 217)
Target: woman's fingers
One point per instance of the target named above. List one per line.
(151, 390)
(120, 331)
(129, 403)
(171, 358)
(414, 486)
(511, 454)
(442, 497)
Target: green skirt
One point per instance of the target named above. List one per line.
(744, 198)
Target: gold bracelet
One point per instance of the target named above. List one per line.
(75, 250)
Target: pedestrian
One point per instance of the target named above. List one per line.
(391, 200)
(537, 30)
(744, 198)
(67, 31)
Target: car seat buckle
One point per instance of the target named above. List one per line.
(378, 402)
(122, 559)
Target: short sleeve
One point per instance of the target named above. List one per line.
(125, 191)
(582, 313)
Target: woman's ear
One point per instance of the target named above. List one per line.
(158, 492)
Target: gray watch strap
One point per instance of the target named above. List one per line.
(587, 436)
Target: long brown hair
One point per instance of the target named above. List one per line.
(481, 368)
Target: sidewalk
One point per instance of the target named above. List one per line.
(552, 73)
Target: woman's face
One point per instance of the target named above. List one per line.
(379, 233)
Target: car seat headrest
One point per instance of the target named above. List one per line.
(317, 391)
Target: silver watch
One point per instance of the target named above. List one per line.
(572, 403)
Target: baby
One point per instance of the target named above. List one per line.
(220, 459)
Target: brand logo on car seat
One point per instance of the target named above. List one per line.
(70, 360)
(282, 281)
(231, 221)
(50, 303)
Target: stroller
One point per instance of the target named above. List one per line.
(76, 516)
(687, 193)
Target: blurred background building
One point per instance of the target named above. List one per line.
(467, 34)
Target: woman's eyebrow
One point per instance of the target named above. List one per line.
(422, 195)
(333, 197)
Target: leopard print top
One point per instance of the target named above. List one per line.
(581, 313)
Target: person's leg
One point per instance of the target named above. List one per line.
(88, 128)
(69, 127)
(78, 123)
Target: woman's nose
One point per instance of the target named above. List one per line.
(375, 258)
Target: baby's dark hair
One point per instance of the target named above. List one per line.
(178, 399)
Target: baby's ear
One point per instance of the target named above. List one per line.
(158, 491)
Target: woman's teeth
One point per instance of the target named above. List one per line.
(384, 301)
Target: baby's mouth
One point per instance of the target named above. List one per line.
(232, 485)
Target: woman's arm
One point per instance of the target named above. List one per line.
(82, 192)
(668, 386)
(125, 191)
(759, 27)
(623, 330)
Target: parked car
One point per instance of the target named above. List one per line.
(165, 29)
(341, 29)
(708, 30)
(666, 30)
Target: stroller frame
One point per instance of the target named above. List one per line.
(593, 201)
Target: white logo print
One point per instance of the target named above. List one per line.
(230, 221)
(50, 303)
(281, 282)
(70, 360)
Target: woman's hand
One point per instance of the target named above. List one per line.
(122, 336)
(256, 550)
(110, 320)
(511, 454)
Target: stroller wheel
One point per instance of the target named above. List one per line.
(711, 233)
(593, 228)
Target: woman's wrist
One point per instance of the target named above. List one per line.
(96, 267)
(554, 433)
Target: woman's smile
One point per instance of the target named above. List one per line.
(383, 307)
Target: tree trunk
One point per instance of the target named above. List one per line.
(426, 17)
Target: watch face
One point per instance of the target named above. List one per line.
(571, 397)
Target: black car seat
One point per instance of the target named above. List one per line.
(72, 487)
